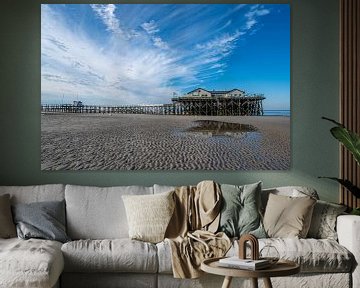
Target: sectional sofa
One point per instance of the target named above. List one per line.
(100, 253)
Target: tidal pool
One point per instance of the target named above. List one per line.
(220, 128)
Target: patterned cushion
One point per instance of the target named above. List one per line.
(323, 223)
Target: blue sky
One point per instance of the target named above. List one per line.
(143, 53)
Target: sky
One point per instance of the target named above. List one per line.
(124, 54)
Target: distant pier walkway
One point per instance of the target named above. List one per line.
(229, 106)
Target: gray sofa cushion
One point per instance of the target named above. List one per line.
(30, 263)
(44, 220)
(117, 255)
(98, 213)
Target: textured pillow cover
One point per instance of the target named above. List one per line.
(288, 217)
(240, 210)
(149, 215)
(7, 226)
(44, 220)
(323, 222)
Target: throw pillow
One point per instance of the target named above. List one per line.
(7, 226)
(149, 215)
(323, 222)
(240, 213)
(44, 220)
(288, 217)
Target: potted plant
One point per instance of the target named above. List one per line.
(351, 141)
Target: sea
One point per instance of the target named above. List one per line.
(277, 113)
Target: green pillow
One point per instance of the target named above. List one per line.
(240, 213)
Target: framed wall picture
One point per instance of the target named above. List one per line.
(165, 87)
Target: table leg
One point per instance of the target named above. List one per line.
(254, 282)
(227, 282)
(267, 283)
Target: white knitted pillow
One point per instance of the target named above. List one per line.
(149, 215)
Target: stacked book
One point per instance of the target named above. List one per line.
(248, 264)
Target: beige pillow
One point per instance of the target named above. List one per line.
(149, 215)
(7, 226)
(288, 217)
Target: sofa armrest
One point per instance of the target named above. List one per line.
(348, 230)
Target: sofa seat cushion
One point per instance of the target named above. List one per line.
(30, 263)
(115, 255)
(313, 255)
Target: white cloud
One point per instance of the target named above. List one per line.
(158, 42)
(150, 27)
(255, 12)
(106, 12)
(107, 15)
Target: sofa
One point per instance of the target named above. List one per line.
(100, 253)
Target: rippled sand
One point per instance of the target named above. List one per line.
(157, 142)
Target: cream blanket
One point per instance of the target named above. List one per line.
(191, 231)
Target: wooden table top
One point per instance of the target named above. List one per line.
(281, 268)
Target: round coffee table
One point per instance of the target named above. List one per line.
(281, 268)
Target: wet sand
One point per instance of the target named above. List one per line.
(161, 142)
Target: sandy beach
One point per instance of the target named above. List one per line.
(164, 142)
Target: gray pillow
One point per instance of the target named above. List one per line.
(240, 213)
(7, 227)
(323, 222)
(44, 220)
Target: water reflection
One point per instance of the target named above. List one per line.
(219, 128)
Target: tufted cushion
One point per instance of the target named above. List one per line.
(117, 255)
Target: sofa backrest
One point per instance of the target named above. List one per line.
(36, 193)
(98, 212)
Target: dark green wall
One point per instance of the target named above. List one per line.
(314, 93)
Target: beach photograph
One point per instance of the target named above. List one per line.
(165, 87)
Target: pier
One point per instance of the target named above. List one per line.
(197, 102)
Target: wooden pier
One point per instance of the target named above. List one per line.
(245, 105)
